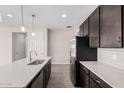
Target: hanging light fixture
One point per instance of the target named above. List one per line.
(33, 33)
(22, 25)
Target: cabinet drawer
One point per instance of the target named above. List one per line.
(38, 81)
(93, 84)
(84, 69)
(99, 81)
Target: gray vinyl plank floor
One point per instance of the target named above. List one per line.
(60, 76)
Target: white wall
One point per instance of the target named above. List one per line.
(60, 46)
(111, 56)
(6, 43)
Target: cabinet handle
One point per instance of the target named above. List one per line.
(84, 68)
(98, 81)
(119, 39)
(17, 52)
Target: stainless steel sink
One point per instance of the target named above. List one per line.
(36, 62)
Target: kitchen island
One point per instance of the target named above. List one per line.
(19, 74)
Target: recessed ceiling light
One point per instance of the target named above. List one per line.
(64, 15)
(9, 15)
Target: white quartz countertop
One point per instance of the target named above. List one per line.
(110, 74)
(19, 74)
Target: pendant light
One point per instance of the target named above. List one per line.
(33, 33)
(22, 25)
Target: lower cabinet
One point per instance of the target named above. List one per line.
(89, 80)
(84, 77)
(41, 80)
(38, 82)
(46, 75)
(96, 82)
(93, 84)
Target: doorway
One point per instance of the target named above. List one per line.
(18, 46)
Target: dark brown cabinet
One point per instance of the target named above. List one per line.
(88, 79)
(93, 84)
(110, 26)
(96, 82)
(38, 81)
(84, 77)
(123, 24)
(49, 70)
(46, 74)
(45, 77)
(94, 29)
(86, 28)
(42, 78)
(81, 30)
(105, 27)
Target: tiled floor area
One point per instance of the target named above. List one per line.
(60, 77)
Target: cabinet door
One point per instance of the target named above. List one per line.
(110, 26)
(45, 78)
(49, 70)
(98, 81)
(46, 74)
(84, 79)
(93, 84)
(123, 25)
(94, 29)
(38, 82)
(86, 23)
(81, 29)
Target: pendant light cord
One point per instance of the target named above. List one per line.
(22, 14)
(33, 21)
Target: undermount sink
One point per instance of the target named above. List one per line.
(36, 62)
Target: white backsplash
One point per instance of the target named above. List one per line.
(112, 56)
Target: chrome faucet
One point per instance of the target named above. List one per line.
(31, 53)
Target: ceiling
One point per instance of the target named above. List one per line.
(46, 15)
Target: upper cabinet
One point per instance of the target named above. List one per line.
(84, 29)
(105, 27)
(86, 24)
(81, 30)
(110, 26)
(123, 24)
(94, 29)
